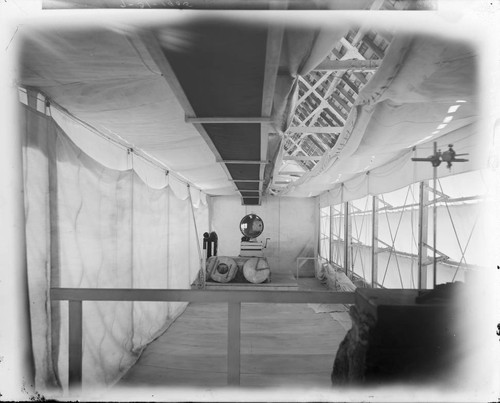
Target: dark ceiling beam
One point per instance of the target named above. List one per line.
(340, 113)
(379, 52)
(144, 39)
(346, 79)
(343, 103)
(250, 162)
(246, 181)
(256, 119)
(345, 93)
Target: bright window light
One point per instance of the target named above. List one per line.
(447, 119)
(461, 101)
(453, 108)
(435, 132)
(441, 126)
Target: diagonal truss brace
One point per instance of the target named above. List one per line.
(442, 257)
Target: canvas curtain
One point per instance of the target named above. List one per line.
(91, 226)
(426, 90)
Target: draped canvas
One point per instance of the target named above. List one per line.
(425, 90)
(90, 226)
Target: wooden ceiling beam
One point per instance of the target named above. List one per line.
(273, 54)
(302, 157)
(307, 129)
(351, 64)
(291, 173)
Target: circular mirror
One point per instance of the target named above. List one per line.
(251, 225)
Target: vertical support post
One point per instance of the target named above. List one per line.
(330, 236)
(434, 223)
(75, 346)
(422, 235)
(374, 241)
(233, 343)
(347, 238)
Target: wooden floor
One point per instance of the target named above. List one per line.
(281, 344)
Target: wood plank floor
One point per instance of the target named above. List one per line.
(281, 345)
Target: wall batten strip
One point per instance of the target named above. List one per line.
(374, 250)
(347, 237)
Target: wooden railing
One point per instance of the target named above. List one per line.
(76, 296)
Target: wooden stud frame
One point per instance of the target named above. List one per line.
(422, 234)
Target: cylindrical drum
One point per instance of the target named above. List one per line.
(221, 268)
(256, 270)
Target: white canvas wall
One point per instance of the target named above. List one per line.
(91, 226)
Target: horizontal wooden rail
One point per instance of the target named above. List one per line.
(208, 296)
(234, 298)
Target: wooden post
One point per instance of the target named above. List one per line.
(330, 236)
(75, 346)
(434, 224)
(347, 238)
(422, 235)
(233, 343)
(374, 241)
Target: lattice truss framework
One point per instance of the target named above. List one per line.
(326, 96)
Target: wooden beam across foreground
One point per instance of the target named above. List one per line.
(307, 129)
(234, 298)
(255, 119)
(206, 296)
(352, 64)
(302, 157)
